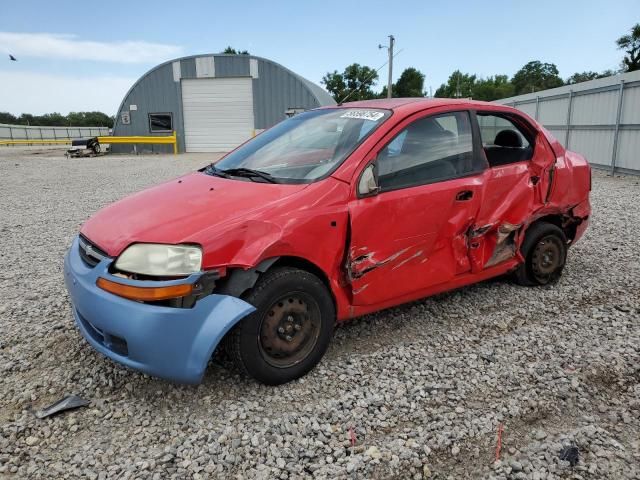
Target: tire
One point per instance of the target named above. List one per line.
(545, 253)
(96, 149)
(290, 330)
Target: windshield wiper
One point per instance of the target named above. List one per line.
(213, 170)
(249, 173)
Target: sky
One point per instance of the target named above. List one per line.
(80, 56)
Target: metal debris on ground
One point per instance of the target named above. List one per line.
(67, 403)
(570, 454)
(499, 441)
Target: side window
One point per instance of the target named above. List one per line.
(160, 122)
(503, 141)
(429, 150)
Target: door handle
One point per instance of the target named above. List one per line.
(464, 195)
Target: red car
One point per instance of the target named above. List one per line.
(329, 215)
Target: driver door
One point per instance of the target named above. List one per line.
(414, 207)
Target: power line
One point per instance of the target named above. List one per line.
(364, 82)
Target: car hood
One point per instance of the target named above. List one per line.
(176, 211)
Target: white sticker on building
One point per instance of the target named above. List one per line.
(363, 115)
(133, 107)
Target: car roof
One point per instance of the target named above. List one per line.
(409, 105)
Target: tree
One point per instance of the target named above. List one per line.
(459, 85)
(493, 88)
(232, 51)
(536, 76)
(631, 46)
(6, 117)
(410, 84)
(579, 77)
(73, 119)
(355, 82)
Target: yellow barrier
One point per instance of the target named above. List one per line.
(166, 140)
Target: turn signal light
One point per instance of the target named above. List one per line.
(145, 294)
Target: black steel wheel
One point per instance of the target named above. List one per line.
(290, 330)
(545, 252)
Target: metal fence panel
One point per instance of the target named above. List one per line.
(594, 144)
(28, 132)
(529, 109)
(599, 119)
(595, 109)
(553, 112)
(631, 105)
(628, 149)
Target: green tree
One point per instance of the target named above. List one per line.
(631, 46)
(355, 83)
(6, 117)
(536, 76)
(73, 119)
(492, 88)
(410, 84)
(232, 51)
(579, 77)
(459, 85)
(51, 119)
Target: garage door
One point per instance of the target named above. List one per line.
(218, 113)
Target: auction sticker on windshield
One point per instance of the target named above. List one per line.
(363, 115)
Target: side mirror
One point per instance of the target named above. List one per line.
(368, 184)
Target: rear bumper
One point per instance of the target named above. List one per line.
(583, 212)
(171, 343)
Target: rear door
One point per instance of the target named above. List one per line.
(517, 183)
(412, 233)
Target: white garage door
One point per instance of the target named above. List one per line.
(218, 113)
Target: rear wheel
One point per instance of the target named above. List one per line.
(290, 330)
(545, 252)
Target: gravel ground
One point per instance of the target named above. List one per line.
(423, 387)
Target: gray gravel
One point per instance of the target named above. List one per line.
(423, 387)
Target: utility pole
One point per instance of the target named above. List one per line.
(392, 40)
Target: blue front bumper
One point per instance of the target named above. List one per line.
(172, 343)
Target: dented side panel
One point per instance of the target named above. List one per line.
(405, 240)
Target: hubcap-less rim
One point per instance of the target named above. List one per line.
(547, 259)
(289, 330)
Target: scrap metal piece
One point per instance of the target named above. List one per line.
(570, 454)
(67, 403)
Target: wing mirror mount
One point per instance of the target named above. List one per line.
(368, 183)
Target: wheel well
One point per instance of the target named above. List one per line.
(240, 281)
(564, 222)
(303, 264)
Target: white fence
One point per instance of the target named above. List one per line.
(26, 132)
(599, 119)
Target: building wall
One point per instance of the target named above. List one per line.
(275, 89)
(599, 119)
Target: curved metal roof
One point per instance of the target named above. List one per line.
(318, 92)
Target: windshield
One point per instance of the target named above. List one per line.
(304, 148)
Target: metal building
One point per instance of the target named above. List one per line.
(214, 102)
(599, 119)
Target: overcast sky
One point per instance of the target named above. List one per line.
(76, 56)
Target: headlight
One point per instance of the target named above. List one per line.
(160, 260)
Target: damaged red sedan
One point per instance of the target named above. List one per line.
(331, 214)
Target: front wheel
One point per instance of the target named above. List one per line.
(545, 252)
(290, 330)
